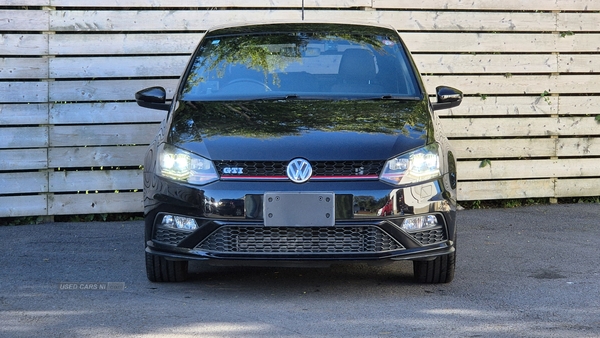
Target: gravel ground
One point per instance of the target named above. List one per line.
(524, 272)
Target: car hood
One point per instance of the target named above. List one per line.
(311, 129)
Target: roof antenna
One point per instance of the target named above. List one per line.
(302, 10)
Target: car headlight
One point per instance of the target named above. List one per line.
(417, 166)
(181, 165)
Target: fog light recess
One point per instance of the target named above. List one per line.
(179, 223)
(419, 223)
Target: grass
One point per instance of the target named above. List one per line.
(523, 202)
(125, 217)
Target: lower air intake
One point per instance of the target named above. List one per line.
(235, 239)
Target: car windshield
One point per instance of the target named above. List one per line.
(300, 65)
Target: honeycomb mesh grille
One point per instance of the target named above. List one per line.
(234, 239)
(430, 236)
(169, 236)
(320, 168)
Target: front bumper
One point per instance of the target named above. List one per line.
(367, 226)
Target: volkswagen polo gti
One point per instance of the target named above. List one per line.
(308, 143)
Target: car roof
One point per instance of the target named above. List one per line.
(302, 26)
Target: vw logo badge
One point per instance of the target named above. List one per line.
(299, 170)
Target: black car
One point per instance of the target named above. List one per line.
(321, 145)
(234, 207)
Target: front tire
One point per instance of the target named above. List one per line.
(159, 269)
(439, 270)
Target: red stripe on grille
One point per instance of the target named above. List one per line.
(281, 178)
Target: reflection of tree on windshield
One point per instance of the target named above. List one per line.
(269, 53)
(262, 119)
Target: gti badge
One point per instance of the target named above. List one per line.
(299, 170)
(233, 171)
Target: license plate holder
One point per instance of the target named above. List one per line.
(299, 209)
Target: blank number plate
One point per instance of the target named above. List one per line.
(299, 209)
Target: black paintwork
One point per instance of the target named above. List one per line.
(315, 129)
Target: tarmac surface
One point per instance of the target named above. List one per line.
(525, 272)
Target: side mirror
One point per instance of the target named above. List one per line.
(153, 98)
(447, 97)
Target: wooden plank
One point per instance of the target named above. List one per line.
(102, 135)
(502, 148)
(579, 105)
(109, 112)
(96, 180)
(442, 20)
(104, 90)
(23, 137)
(526, 148)
(580, 146)
(24, 20)
(24, 68)
(213, 3)
(517, 84)
(23, 159)
(578, 22)
(19, 206)
(419, 42)
(23, 182)
(502, 106)
(577, 63)
(26, 2)
(24, 44)
(521, 5)
(486, 64)
(525, 169)
(115, 66)
(123, 44)
(78, 157)
(74, 204)
(578, 187)
(23, 114)
(184, 43)
(521, 127)
(23, 92)
(179, 20)
(198, 20)
(497, 190)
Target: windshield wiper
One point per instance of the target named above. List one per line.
(391, 98)
(336, 98)
(276, 98)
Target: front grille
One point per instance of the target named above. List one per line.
(360, 239)
(320, 168)
(430, 236)
(170, 236)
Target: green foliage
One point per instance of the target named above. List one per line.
(597, 118)
(546, 96)
(29, 220)
(482, 96)
(586, 200)
(565, 34)
(512, 203)
(524, 202)
(484, 163)
(100, 218)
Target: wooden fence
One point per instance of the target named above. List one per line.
(72, 139)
